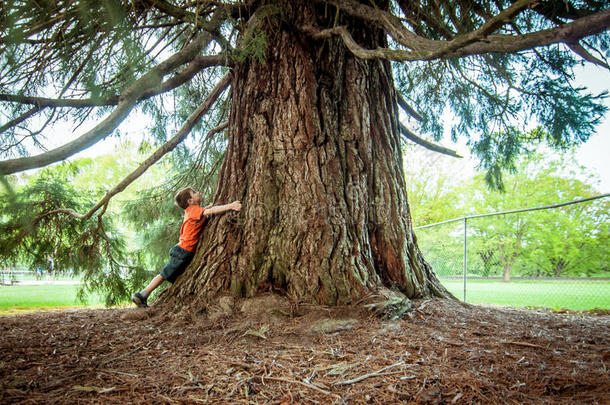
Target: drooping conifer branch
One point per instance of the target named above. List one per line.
(484, 31)
(43, 102)
(586, 55)
(199, 63)
(150, 81)
(407, 108)
(407, 133)
(16, 121)
(566, 33)
(386, 21)
(167, 147)
(182, 14)
(89, 138)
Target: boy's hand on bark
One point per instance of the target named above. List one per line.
(219, 209)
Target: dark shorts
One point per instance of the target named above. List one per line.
(179, 259)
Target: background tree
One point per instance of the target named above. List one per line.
(312, 130)
(434, 183)
(434, 194)
(558, 242)
(570, 241)
(562, 242)
(574, 244)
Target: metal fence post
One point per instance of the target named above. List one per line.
(465, 256)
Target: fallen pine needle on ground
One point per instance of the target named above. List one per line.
(440, 351)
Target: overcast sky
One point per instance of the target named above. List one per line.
(595, 154)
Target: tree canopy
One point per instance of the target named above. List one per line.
(503, 67)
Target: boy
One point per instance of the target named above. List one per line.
(182, 254)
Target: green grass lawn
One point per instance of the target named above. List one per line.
(568, 294)
(24, 297)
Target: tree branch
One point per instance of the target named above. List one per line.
(20, 119)
(387, 21)
(59, 102)
(566, 33)
(162, 150)
(362, 53)
(415, 18)
(199, 63)
(147, 83)
(86, 140)
(192, 18)
(481, 33)
(583, 53)
(232, 9)
(476, 42)
(407, 108)
(428, 145)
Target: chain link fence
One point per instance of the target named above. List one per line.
(554, 256)
(23, 276)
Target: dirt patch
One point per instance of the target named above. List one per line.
(439, 352)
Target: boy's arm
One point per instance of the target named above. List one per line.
(219, 209)
(203, 217)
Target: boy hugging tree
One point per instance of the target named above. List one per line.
(181, 255)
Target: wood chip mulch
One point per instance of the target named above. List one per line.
(440, 352)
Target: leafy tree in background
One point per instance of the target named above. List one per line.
(312, 132)
(434, 197)
(572, 243)
(434, 194)
(567, 241)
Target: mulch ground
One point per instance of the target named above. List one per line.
(439, 352)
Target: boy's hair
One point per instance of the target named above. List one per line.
(182, 198)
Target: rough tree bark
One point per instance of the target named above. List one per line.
(314, 156)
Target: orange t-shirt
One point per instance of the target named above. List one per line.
(191, 227)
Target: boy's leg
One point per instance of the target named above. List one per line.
(141, 298)
(154, 283)
(178, 260)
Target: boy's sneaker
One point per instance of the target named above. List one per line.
(139, 300)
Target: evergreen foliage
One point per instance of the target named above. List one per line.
(94, 50)
(34, 236)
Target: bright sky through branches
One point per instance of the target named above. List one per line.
(593, 154)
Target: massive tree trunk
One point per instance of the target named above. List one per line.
(314, 155)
